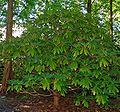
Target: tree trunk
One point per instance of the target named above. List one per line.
(56, 97)
(111, 19)
(89, 4)
(7, 73)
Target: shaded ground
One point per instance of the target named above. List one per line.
(21, 103)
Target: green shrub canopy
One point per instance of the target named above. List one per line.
(64, 48)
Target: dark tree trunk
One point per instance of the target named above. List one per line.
(89, 4)
(7, 74)
(111, 19)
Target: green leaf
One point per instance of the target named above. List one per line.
(86, 51)
(31, 69)
(57, 50)
(74, 65)
(57, 85)
(31, 51)
(85, 69)
(82, 50)
(52, 65)
(101, 99)
(76, 53)
(85, 103)
(75, 81)
(45, 84)
(85, 83)
(96, 90)
(16, 55)
(77, 102)
(103, 62)
(112, 89)
(65, 62)
(60, 86)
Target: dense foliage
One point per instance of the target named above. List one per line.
(63, 48)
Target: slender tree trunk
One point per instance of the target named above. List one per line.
(7, 73)
(89, 5)
(56, 97)
(111, 19)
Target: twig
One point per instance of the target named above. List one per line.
(93, 1)
(74, 89)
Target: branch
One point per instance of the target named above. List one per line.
(36, 94)
(93, 1)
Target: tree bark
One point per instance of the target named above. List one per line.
(7, 73)
(56, 97)
(89, 4)
(111, 19)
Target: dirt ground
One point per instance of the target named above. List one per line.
(23, 103)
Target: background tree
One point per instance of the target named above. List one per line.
(21, 12)
(89, 5)
(8, 66)
(111, 19)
